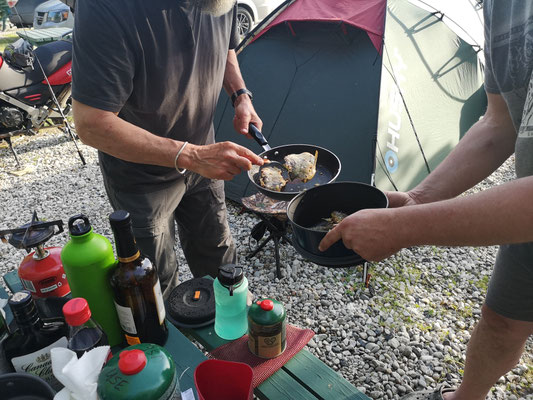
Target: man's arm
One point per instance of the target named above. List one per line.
(503, 214)
(500, 215)
(486, 145)
(244, 109)
(107, 132)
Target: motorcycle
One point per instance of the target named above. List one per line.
(35, 89)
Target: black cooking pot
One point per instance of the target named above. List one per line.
(310, 208)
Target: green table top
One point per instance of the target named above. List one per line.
(303, 377)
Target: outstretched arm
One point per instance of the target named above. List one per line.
(486, 145)
(107, 132)
(434, 216)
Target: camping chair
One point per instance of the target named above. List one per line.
(273, 219)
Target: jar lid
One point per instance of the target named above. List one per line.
(145, 371)
(131, 362)
(267, 312)
(76, 311)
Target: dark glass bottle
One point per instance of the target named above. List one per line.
(4, 365)
(84, 333)
(27, 349)
(136, 287)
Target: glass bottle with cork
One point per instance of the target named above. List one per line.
(28, 347)
(136, 287)
(4, 331)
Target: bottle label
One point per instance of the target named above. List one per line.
(125, 317)
(160, 305)
(266, 346)
(39, 363)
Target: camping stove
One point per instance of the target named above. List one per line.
(41, 271)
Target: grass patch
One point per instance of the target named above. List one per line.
(7, 39)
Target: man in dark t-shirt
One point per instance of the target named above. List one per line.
(146, 80)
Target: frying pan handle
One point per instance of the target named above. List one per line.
(258, 137)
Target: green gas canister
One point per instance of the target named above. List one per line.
(143, 371)
(88, 261)
(267, 328)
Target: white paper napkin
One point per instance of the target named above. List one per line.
(80, 377)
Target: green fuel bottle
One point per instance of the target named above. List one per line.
(88, 260)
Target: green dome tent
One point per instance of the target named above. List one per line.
(389, 95)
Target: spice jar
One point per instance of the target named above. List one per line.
(267, 328)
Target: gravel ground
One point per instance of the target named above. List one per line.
(410, 335)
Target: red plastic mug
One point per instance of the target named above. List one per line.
(223, 380)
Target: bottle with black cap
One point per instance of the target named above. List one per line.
(136, 287)
(28, 347)
(88, 260)
(231, 292)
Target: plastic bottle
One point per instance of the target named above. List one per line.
(88, 260)
(84, 333)
(231, 292)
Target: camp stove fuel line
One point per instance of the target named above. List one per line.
(41, 271)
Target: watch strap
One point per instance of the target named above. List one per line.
(238, 93)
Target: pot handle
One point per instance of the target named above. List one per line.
(258, 137)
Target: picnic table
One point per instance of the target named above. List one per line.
(41, 36)
(303, 377)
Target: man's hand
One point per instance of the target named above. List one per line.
(244, 115)
(370, 233)
(400, 199)
(219, 160)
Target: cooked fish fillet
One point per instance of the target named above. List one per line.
(328, 224)
(301, 166)
(272, 178)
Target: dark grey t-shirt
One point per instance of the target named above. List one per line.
(509, 66)
(160, 65)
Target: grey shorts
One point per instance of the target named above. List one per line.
(510, 291)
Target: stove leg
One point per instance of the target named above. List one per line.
(276, 252)
(260, 247)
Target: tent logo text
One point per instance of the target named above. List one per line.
(395, 120)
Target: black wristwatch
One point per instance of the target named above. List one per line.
(238, 93)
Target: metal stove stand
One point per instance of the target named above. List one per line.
(273, 220)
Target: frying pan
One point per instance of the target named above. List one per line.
(328, 166)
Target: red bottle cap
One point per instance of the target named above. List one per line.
(76, 311)
(131, 362)
(266, 305)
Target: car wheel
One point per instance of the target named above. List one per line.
(244, 21)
